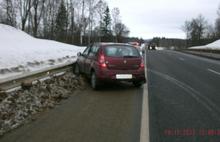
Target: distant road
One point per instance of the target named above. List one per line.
(184, 97)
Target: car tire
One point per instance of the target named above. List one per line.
(94, 81)
(76, 70)
(137, 83)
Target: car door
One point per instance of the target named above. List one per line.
(91, 59)
(82, 59)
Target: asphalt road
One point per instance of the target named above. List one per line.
(112, 114)
(184, 97)
(184, 106)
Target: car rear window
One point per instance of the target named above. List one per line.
(121, 51)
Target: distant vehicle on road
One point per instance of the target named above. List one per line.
(152, 46)
(111, 62)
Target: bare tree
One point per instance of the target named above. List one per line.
(91, 13)
(187, 29)
(82, 23)
(8, 13)
(2, 16)
(24, 9)
(116, 21)
(72, 20)
(100, 9)
(38, 9)
(217, 27)
(196, 27)
(121, 31)
(201, 26)
(217, 23)
(210, 32)
(49, 16)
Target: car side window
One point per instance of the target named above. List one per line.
(93, 51)
(86, 52)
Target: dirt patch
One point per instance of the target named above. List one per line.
(18, 107)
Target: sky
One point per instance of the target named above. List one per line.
(162, 18)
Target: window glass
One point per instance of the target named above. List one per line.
(93, 50)
(121, 51)
(86, 51)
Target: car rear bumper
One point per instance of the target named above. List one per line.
(110, 75)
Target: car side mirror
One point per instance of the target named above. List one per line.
(79, 54)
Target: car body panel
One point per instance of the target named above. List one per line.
(119, 68)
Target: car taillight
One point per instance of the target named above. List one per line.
(102, 61)
(142, 64)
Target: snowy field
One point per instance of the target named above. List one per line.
(21, 53)
(212, 46)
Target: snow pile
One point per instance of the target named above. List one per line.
(21, 53)
(160, 48)
(213, 46)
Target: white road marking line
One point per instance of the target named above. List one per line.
(215, 72)
(205, 101)
(144, 132)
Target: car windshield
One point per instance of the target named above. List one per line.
(121, 51)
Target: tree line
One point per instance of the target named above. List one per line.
(199, 31)
(77, 22)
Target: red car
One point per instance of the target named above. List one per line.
(111, 62)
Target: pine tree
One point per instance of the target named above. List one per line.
(61, 22)
(106, 26)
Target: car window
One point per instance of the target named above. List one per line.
(86, 51)
(93, 50)
(121, 51)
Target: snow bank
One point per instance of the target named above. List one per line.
(212, 46)
(20, 52)
(160, 48)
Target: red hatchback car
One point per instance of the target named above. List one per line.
(111, 62)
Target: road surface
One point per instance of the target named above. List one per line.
(184, 106)
(112, 114)
(184, 97)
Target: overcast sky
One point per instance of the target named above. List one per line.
(163, 18)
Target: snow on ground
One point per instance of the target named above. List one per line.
(160, 48)
(21, 53)
(213, 46)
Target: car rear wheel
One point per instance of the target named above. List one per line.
(76, 70)
(94, 81)
(137, 83)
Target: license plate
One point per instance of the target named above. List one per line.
(123, 76)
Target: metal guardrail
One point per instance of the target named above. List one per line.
(205, 50)
(214, 54)
(14, 83)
